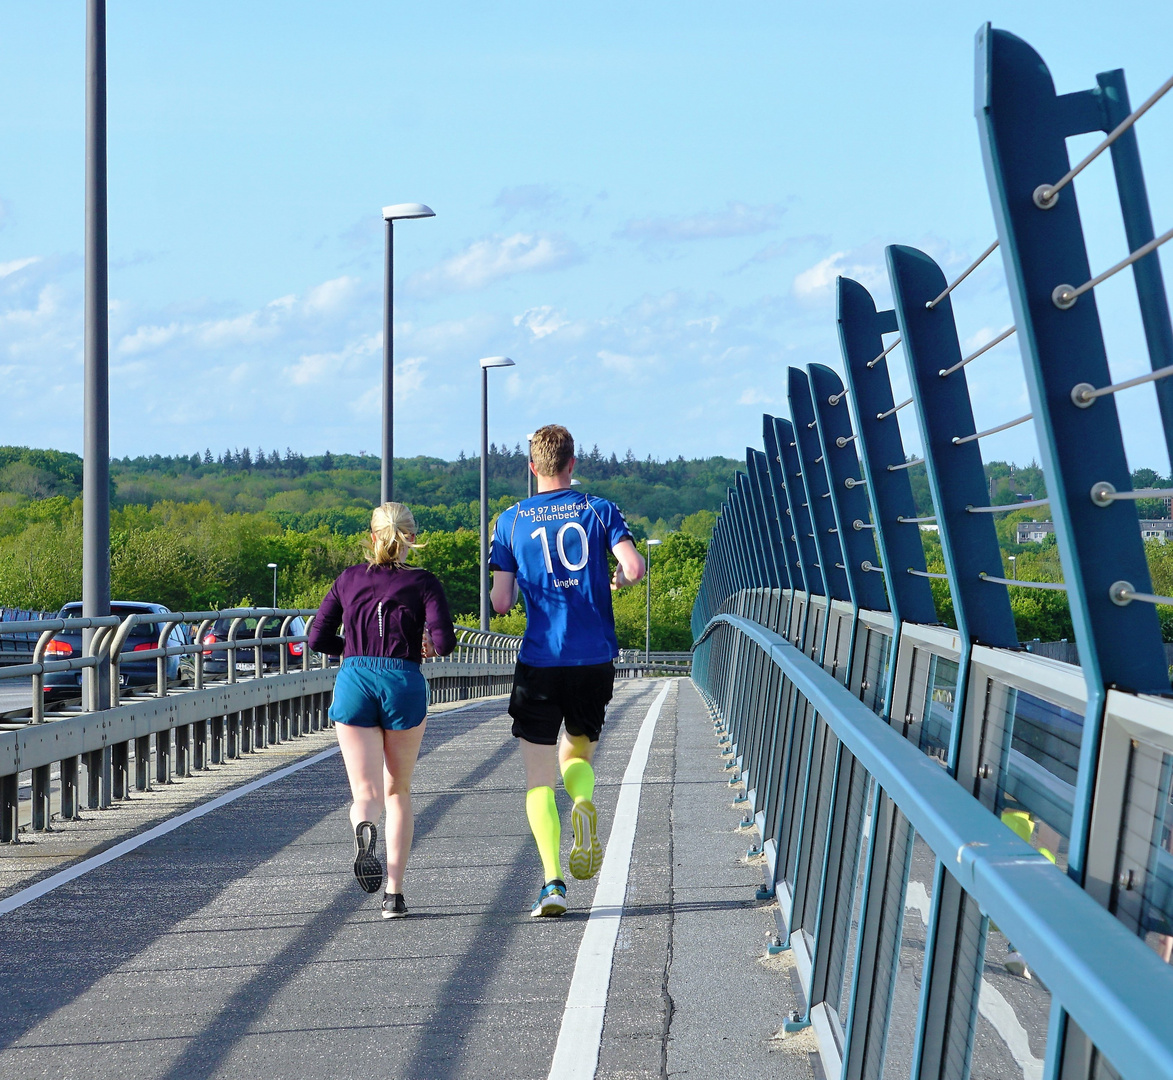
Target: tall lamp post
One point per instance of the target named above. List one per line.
(95, 558)
(648, 624)
(391, 214)
(486, 363)
(1013, 566)
(273, 567)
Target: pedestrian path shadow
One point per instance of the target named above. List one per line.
(83, 931)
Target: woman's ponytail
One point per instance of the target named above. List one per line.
(392, 535)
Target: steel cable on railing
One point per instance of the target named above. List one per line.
(1122, 593)
(926, 573)
(964, 274)
(1084, 394)
(1105, 493)
(958, 440)
(1064, 296)
(895, 409)
(912, 521)
(907, 464)
(1045, 195)
(873, 362)
(1024, 584)
(1007, 506)
(974, 355)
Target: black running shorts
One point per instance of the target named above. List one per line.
(544, 697)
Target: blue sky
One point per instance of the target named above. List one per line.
(644, 205)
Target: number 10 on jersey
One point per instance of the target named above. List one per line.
(560, 544)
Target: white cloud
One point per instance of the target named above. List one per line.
(753, 395)
(329, 297)
(286, 315)
(737, 219)
(12, 267)
(493, 258)
(541, 321)
(318, 367)
(816, 282)
(146, 338)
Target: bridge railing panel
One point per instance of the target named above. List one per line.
(71, 756)
(875, 854)
(1063, 772)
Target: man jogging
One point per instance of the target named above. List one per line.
(553, 547)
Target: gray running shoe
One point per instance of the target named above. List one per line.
(367, 869)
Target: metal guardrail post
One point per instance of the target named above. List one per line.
(763, 493)
(849, 502)
(802, 528)
(956, 474)
(1023, 125)
(818, 492)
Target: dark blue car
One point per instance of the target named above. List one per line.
(132, 673)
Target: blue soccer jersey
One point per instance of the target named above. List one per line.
(557, 543)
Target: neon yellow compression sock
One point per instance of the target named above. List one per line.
(579, 779)
(547, 829)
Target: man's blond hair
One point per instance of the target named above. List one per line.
(551, 449)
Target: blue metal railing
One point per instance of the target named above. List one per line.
(971, 845)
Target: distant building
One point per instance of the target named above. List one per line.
(1034, 532)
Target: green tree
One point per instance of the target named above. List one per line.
(455, 559)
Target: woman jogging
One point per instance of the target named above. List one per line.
(393, 615)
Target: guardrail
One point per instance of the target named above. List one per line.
(636, 664)
(912, 910)
(90, 750)
(17, 647)
(971, 845)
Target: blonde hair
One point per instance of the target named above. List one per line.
(392, 535)
(551, 449)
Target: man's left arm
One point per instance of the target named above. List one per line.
(631, 564)
(503, 594)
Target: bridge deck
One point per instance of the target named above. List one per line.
(237, 945)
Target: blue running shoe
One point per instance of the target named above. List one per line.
(551, 900)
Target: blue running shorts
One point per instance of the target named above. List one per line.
(380, 691)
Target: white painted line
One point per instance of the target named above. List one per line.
(576, 1056)
(33, 892)
(1002, 1017)
(991, 1003)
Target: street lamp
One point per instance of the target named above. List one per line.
(648, 623)
(529, 473)
(273, 567)
(486, 363)
(391, 214)
(1013, 566)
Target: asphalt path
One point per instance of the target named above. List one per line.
(238, 945)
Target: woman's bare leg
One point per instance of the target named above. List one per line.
(400, 751)
(362, 750)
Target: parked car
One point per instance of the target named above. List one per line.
(216, 660)
(132, 673)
